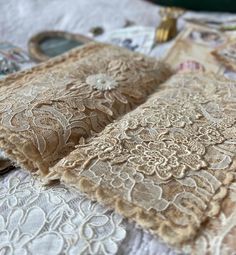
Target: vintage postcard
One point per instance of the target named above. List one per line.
(195, 43)
(135, 38)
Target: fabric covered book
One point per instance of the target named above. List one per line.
(158, 148)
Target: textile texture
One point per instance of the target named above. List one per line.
(54, 220)
(23, 199)
(47, 110)
(168, 163)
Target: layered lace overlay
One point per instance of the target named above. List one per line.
(218, 236)
(47, 110)
(54, 220)
(168, 163)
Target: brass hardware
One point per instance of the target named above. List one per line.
(168, 27)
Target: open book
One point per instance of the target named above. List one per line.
(118, 126)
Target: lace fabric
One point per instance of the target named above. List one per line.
(225, 54)
(54, 220)
(168, 163)
(47, 110)
(218, 236)
(142, 244)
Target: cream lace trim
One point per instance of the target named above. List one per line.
(168, 163)
(218, 235)
(47, 110)
(54, 220)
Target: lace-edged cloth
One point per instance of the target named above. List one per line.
(168, 163)
(49, 109)
(218, 235)
(54, 220)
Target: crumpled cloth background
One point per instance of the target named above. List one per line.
(19, 20)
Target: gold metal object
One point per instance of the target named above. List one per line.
(168, 27)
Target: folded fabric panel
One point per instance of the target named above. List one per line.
(168, 163)
(47, 110)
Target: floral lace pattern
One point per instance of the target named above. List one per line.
(53, 220)
(101, 81)
(218, 236)
(164, 159)
(47, 110)
(167, 171)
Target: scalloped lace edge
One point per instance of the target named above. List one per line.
(149, 220)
